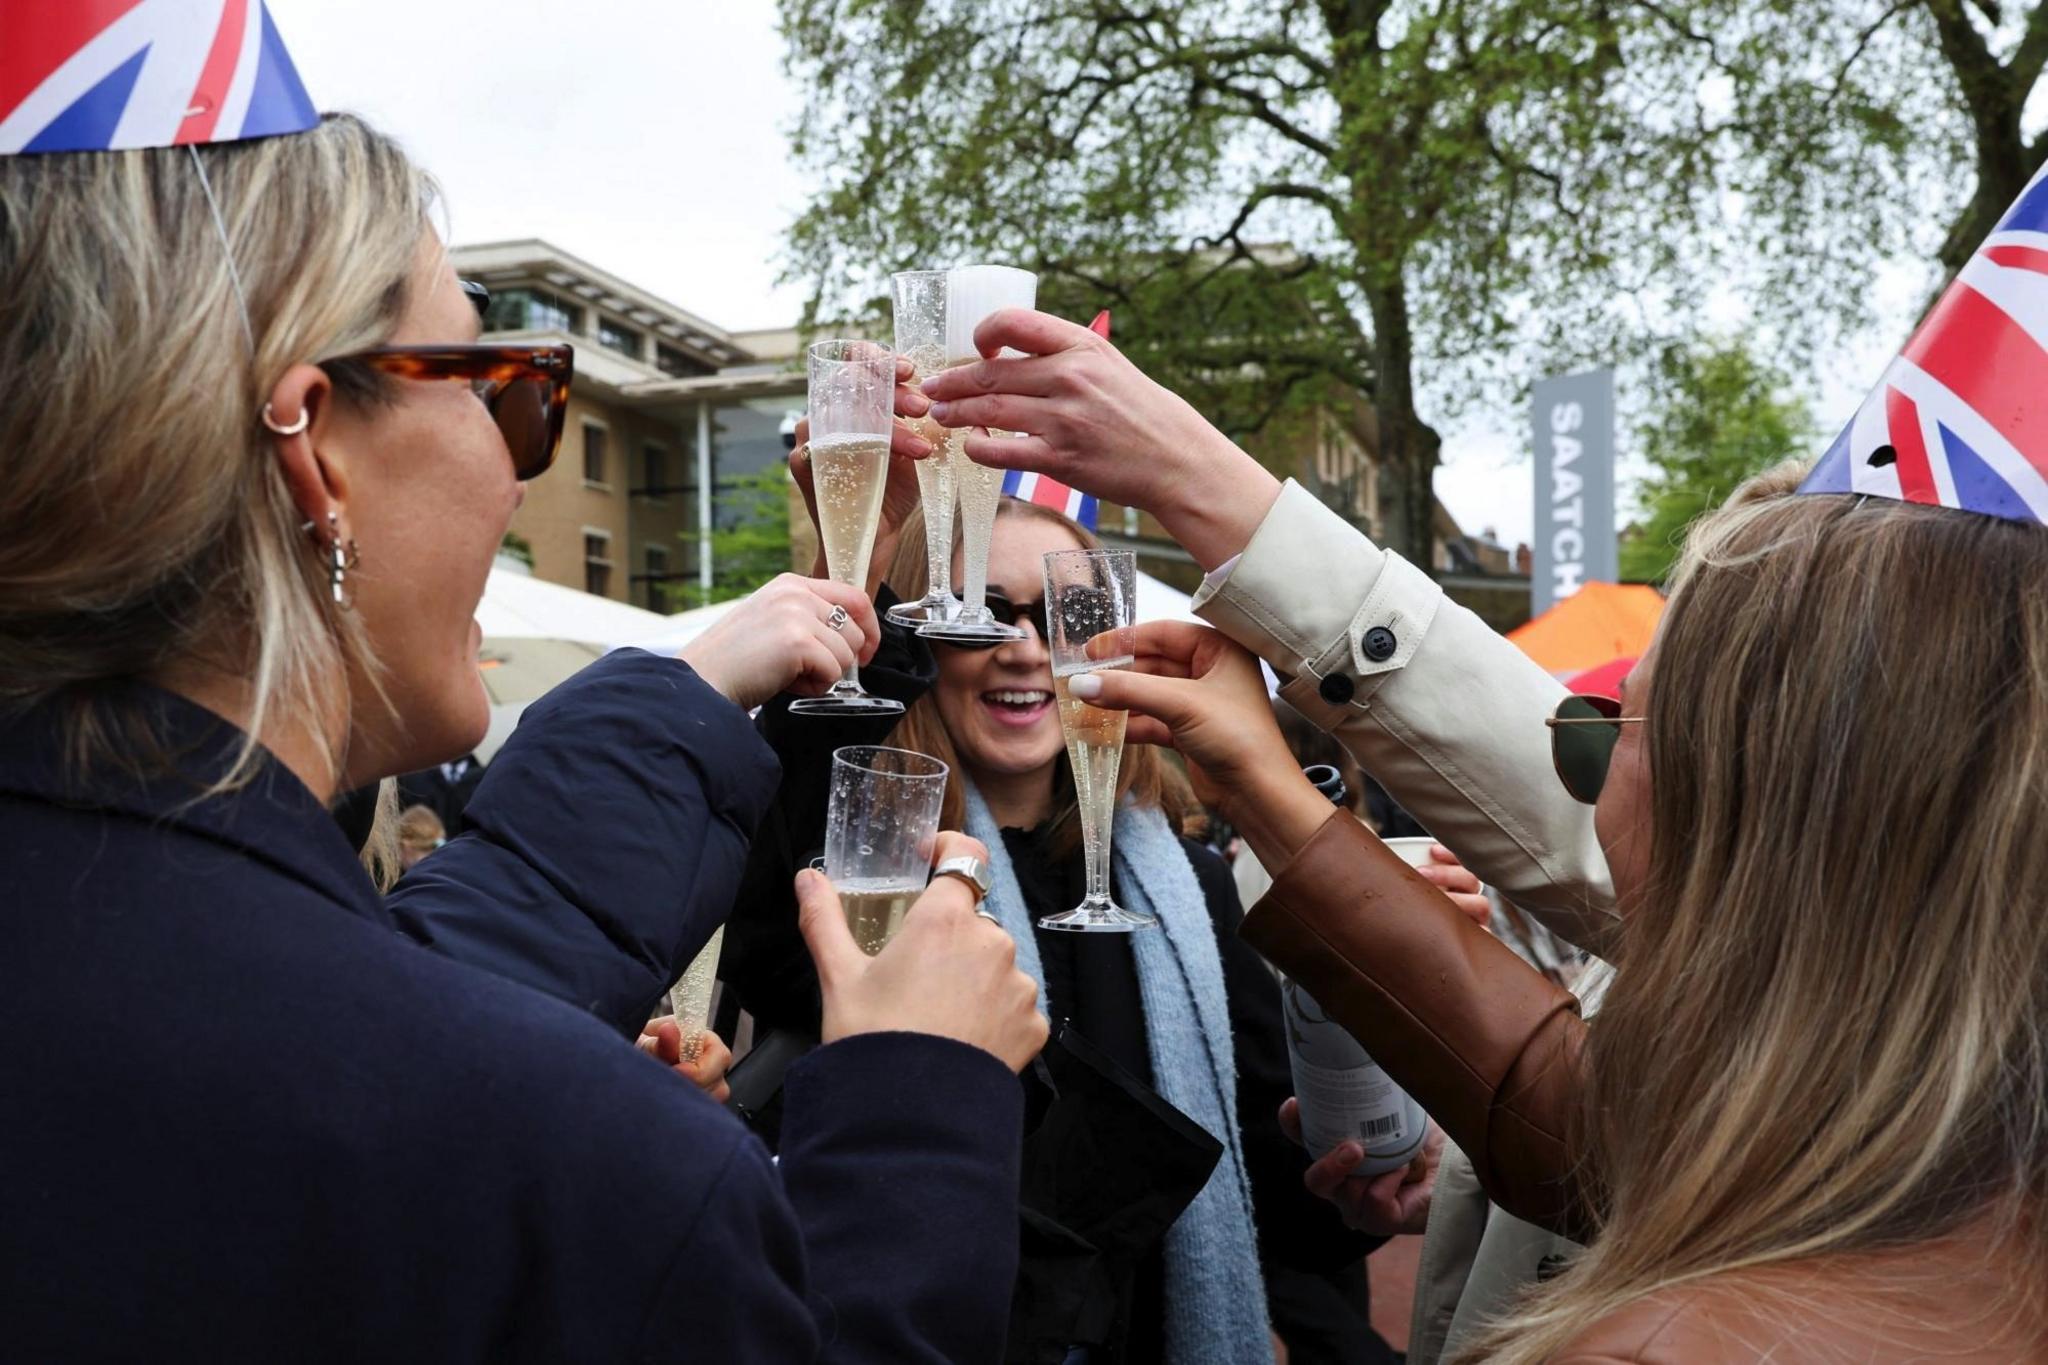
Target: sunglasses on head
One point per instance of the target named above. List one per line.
(1007, 613)
(1583, 733)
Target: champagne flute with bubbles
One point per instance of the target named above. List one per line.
(1092, 596)
(852, 401)
(972, 293)
(920, 298)
(881, 825)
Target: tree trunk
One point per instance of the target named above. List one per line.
(1408, 448)
(1994, 98)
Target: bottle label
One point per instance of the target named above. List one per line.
(1358, 1103)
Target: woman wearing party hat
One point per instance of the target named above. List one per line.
(1811, 1119)
(253, 470)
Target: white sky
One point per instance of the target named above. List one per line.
(649, 137)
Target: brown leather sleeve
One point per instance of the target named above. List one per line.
(1480, 1039)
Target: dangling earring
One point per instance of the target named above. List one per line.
(342, 556)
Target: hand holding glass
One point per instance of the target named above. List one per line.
(852, 397)
(1091, 597)
(881, 824)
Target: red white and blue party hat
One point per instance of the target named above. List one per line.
(1961, 416)
(109, 75)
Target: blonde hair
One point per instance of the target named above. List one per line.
(144, 522)
(1829, 1033)
(1143, 773)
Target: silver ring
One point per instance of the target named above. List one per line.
(838, 619)
(980, 913)
(974, 873)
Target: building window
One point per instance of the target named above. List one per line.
(532, 310)
(675, 364)
(597, 563)
(656, 481)
(619, 337)
(593, 453)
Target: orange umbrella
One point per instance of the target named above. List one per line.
(1598, 623)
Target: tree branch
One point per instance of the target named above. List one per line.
(2031, 56)
(1257, 107)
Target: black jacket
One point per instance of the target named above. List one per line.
(248, 1118)
(766, 964)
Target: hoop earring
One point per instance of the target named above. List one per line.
(292, 430)
(342, 556)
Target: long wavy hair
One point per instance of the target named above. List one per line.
(1829, 1032)
(1144, 774)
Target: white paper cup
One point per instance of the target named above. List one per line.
(1414, 850)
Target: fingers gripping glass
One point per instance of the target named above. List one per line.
(1583, 733)
(526, 389)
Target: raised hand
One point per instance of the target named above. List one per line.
(948, 971)
(1092, 419)
(782, 639)
(1191, 688)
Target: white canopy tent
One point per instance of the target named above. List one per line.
(536, 634)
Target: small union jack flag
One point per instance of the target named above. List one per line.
(107, 75)
(1050, 492)
(1961, 417)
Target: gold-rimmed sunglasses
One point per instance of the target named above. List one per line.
(1583, 732)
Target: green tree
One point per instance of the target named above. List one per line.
(1426, 201)
(1719, 416)
(749, 539)
(1277, 196)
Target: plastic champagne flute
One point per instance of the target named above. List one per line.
(881, 825)
(852, 402)
(973, 292)
(1092, 596)
(920, 299)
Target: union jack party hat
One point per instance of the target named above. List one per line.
(110, 75)
(1047, 491)
(1961, 417)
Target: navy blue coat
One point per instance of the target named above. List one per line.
(243, 1116)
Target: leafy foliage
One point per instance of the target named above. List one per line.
(749, 539)
(1426, 201)
(1720, 417)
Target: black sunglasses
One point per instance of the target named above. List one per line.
(1583, 733)
(1008, 613)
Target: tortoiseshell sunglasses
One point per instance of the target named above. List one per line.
(526, 389)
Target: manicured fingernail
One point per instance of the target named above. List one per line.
(919, 447)
(942, 413)
(1086, 686)
(805, 879)
(915, 404)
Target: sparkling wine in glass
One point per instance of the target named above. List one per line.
(972, 293)
(881, 823)
(852, 401)
(689, 1000)
(1091, 601)
(920, 298)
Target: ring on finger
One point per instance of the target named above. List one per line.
(838, 619)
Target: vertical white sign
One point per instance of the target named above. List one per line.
(1575, 545)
